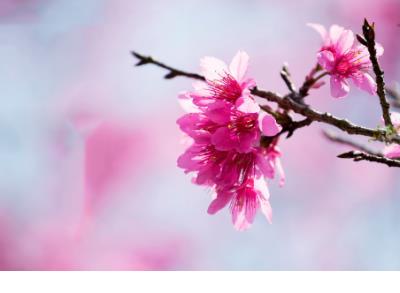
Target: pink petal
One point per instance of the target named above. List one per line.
(246, 141)
(281, 172)
(222, 199)
(326, 59)
(222, 139)
(339, 87)
(188, 121)
(186, 103)
(379, 49)
(219, 112)
(201, 88)
(268, 124)
(366, 83)
(212, 68)
(251, 205)
(265, 167)
(335, 32)
(395, 118)
(207, 175)
(262, 188)
(345, 41)
(239, 220)
(392, 151)
(320, 29)
(238, 66)
(263, 196)
(247, 104)
(266, 209)
(187, 162)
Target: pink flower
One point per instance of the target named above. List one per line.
(205, 161)
(225, 124)
(224, 108)
(393, 151)
(242, 184)
(225, 83)
(343, 58)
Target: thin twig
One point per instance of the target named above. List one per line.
(369, 36)
(360, 156)
(327, 118)
(344, 141)
(173, 72)
(287, 78)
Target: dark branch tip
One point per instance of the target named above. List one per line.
(361, 40)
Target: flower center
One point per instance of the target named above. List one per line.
(243, 123)
(226, 88)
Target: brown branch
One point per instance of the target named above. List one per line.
(360, 156)
(369, 42)
(327, 118)
(344, 141)
(287, 78)
(173, 72)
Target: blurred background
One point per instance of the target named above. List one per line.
(88, 142)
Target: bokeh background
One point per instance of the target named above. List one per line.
(88, 142)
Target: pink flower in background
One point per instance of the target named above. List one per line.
(226, 127)
(344, 59)
(393, 151)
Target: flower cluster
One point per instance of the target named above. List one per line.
(234, 144)
(345, 59)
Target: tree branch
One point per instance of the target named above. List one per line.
(287, 78)
(344, 141)
(360, 156)
(173, 72)
(369, 42)
(327, 118)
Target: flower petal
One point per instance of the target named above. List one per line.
(392, 151)
(339, 87)
(222, 199)
(238, 66)
(266, 209)
(326, 59)
(212, 68)
(219, 112)
(365, 82)
(186, 103)
(379, 49)
(320, 29)
(345, 41)
(239, 220)
(395, 118)
(222, 139)
(247, 104)
(268, 124)
(335, 32)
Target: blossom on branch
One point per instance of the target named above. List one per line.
(345, 59)
(228, 152)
